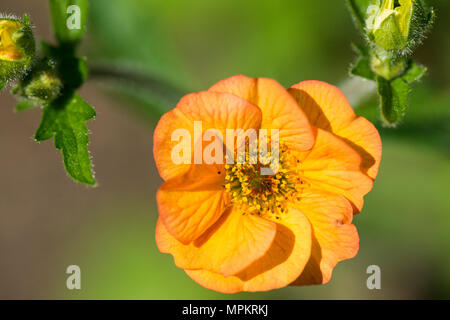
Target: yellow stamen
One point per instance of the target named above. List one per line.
(265, 195)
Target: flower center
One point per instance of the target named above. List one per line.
(265, 195)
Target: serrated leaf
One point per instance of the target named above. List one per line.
(63, 16)
(362, 67)
(24, 104)
(414, 72)
(393, 99)
(65, 120)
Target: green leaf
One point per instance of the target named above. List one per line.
(65, 120)
(24, 104)
(362, 67)
(393, 99)
(2, 85)
(421, 23)
(65, 16)
(414, 73)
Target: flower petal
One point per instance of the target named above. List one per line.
(192, 203)
(332, 165)
(280, 266)
(228, 247)
(327, 108)
(334, 237)
(362, 135)
(279, 109)
(219, 111)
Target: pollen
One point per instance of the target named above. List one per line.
(264, 195)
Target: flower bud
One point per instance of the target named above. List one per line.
(42, 85)
(17, 47)
(387, 65)
(388, 23)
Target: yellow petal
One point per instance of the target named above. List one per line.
(280, 266)
(279, 109)
(327, 108)
(228, 247)
(192, 203)
(334, 237)
(219, 111)
(332, 165)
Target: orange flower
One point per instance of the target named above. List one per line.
(232, 230)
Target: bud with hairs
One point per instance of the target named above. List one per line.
(17, 48)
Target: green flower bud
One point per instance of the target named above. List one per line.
(17, 47)
(388, 24)
(42, 85)
(387, 65)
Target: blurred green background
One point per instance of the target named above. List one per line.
(47, 222)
